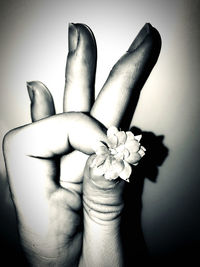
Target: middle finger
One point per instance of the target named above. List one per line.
(80, 69)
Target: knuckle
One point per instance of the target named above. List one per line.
(8, 139)
(10, 142)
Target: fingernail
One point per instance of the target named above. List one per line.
(73, 36)
(30, 91)
(144, 32)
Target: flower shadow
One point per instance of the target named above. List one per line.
(135, 248)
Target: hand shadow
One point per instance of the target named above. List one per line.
(135, 249)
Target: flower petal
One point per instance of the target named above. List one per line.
(119, 156)
(142, 152)
(117, 165)
(133, 158)
(111, 175)
(108, 163)
(113, 141)
(121, 137)
(112, 138)
(126, 153)
(99, 171)
(129, 136)
(138, 137)
(126, 172)
(100, 159)
(143, 148)
(93, 163)
(132, 146)
(112, 131)
(120, 148)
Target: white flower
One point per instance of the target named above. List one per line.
(114, 159)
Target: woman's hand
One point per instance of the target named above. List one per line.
(45, 160)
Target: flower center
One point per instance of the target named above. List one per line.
(118, 152)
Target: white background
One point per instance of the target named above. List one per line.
(33, 46)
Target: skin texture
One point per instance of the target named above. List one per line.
(66, 215)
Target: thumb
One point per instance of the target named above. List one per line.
(102, 199)
(102, 206)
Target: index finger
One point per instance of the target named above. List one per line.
(127, 78)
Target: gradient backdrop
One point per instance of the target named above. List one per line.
(33, 46)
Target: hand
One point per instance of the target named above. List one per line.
(46, 176)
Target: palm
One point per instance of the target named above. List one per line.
(65, 225)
